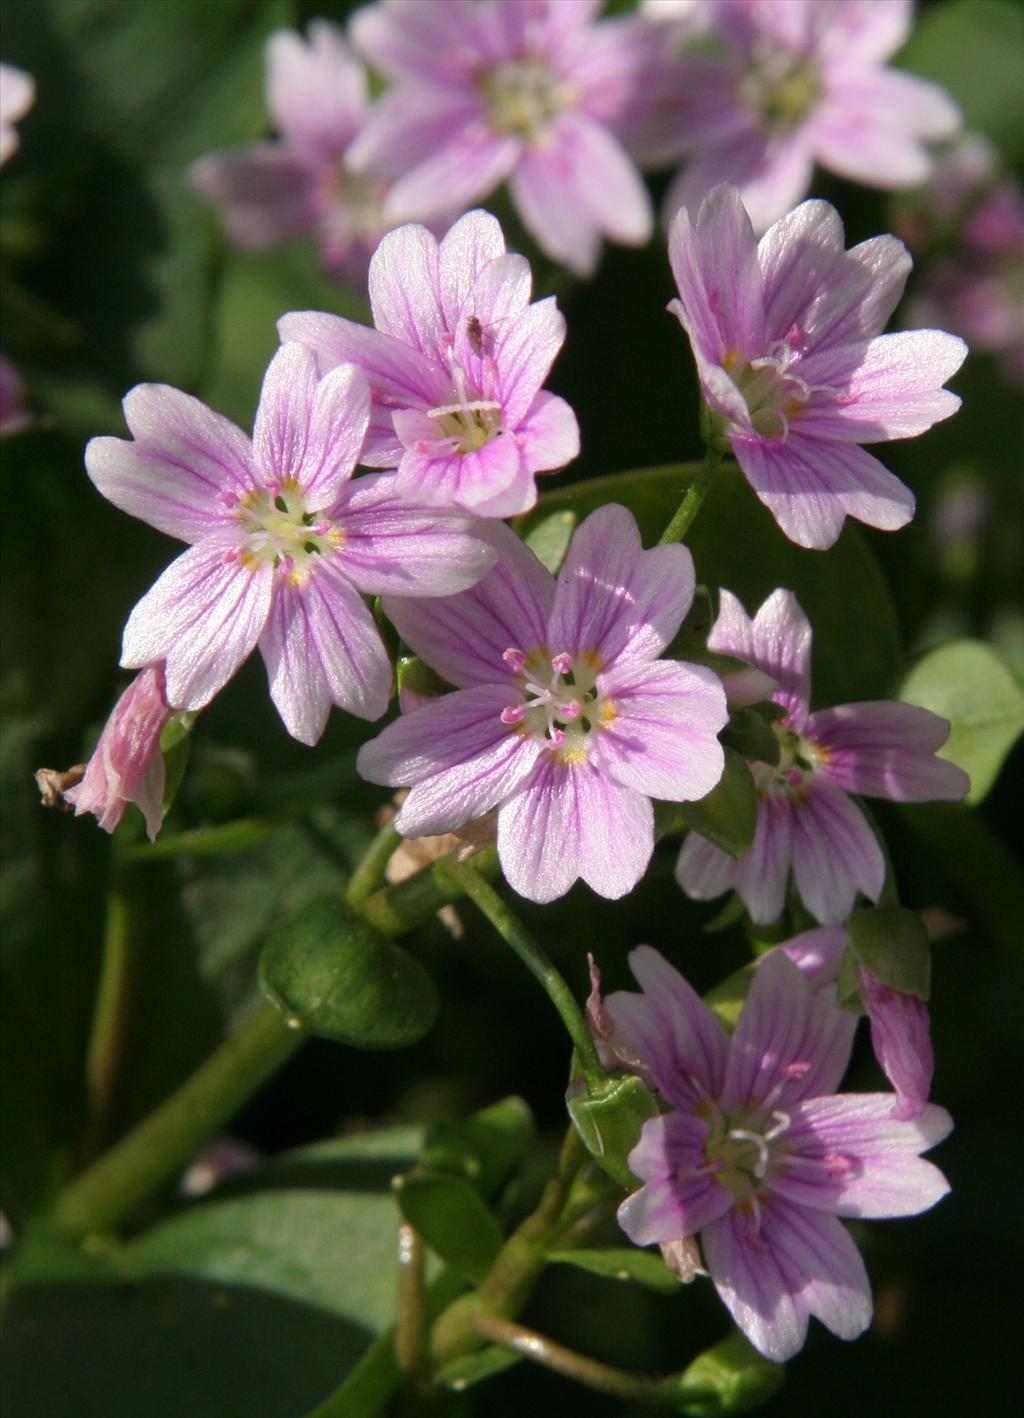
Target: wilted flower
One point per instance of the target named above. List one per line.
(126, 765)
(17, 95)
(806, 820)
(300, 184)
(282, 542)
(564, 719)
(489, 90)
(791, 83)
(758, 1153)
(786, 335)
(455, 365)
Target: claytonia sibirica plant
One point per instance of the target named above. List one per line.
(456, 366)
(773, 86)
(489, 91)
(786, 333)
(758, 1154)
(282, 544)
(299, 185)
(564, 718)
(806, 821)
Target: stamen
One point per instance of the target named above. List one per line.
(562, 664)
(756, 1140)
(515, 659)
(514, 714)
(465, 406)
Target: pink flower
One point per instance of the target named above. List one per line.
(806, 821)
(563, 717)
(455, 365)
(758, 1153)
(786, 335)
(528, 91)
(17, 95)
(301, 184)
(900, 1027)
(127, 765)
(281, 542)
(794, 82)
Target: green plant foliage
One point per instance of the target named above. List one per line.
(893, 944)
(738, 1377)
(967, 683)
(450, 1216)
(640, 1267)
(486, 1147)
(727, 816)
(609, 1118)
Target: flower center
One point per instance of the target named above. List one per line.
(280, 531)
(741, 1149)
(774, 394)
(782, 87)
(799, 760)
(563, 709)
(524, 96)
(466, 423)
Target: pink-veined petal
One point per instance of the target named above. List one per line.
(450, 478)
(337, 430)
(835, 853)
(777, 641)
(751, 1285)
(525, 353)
(316, 89)
(680, 1196)
(549, 434)
(704, 871)
(265, 194)
(714, 261)
(464, 170)
(563, 230)
(466, 251)
(885, 749)
(405, 292)
(902, 1041)
(614, 600)
(282, 425)
(603, 180)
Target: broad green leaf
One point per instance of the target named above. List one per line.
(893, 944)
(625, 1263)
(470, 1369)
(736, 1376)
(456, 1224)
(331, 974)
(727, 816)
(609, 1119)
(749, 732)
(549, 540)
(736, 544)
(485, 1148)
(968, 684)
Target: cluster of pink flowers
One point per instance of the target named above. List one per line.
(559, 713)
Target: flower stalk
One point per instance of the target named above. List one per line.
(693, 501)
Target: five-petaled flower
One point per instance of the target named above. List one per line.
(806, 821)
(456, 365)
(759, 1154)
(282, 542)
(564, 718)
(531, 91)
(792, 364)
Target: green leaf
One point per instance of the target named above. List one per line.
(331, 974)
(470, 1369)
(968, 684)
(737, 1377)
(893, 944)
(727, 816)
(749, 732)
(736, 544)
(728, 996)
(626, 1263)
(449, 1214)
(416, 677)
(485, 1148)
(549, 540)
(609, 1119)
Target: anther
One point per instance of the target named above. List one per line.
(514, 714)
(515, 659)
(562, 664)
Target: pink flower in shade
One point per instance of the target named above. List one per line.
(563, 718)
(282, 543)
(806, 821)
(758, 1153)
(17, 95)
(456, 365)
(794, 82)
(301, 184)
(900, 1028)
(528, 91)
(127, 765)
(786, 335)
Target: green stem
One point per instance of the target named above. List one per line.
(515, 934)
(410, 1311)
(693, 501)
(108, 1033)
(410, 903)
(369, 873)
(152, 1152)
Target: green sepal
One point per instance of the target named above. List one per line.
(485, 1148)
(450, 1215)
(416, 677)
(727, 816)
(622, 1263)
(749, 731)
(893, 944)
(549, 540)
(609, 1117)
(332, 975)
(736, 1376)
(175, 745)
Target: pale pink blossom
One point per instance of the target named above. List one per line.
(17, 95)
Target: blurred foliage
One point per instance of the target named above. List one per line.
(256, 1299)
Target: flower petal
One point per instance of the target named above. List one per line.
(614, 600)
(321, 647)
(203, 616)
(871, 122)
(549, 434)
(265, 194)
(524, 354)
(461, 170)
(464, 637)
(405, 291)
(602, 180)
(283, 418)
(901, 1039)
(464, 480)
(337, 430)
(714, 261)
(678, 1199)
(456, 755)
(659, 728)
(316, 89)
(563, 230)
(886, 749)
(747, 1275)
(777, 641)
(835, 853)
(183, 458)
(475, 240)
